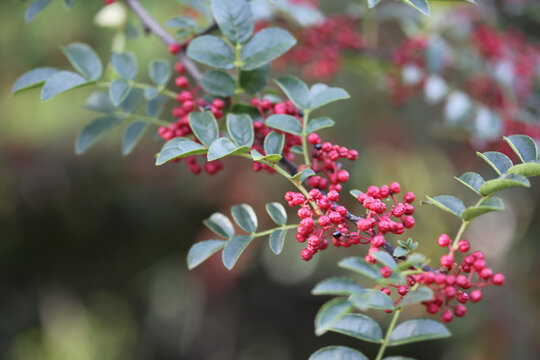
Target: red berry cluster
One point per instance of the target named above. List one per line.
(320, 48)
(472, 275)
(325, 162)
(453, 287)
(190, 101)
(267, 108)
(379, 220)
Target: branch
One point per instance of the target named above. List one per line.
(153, 26)
(389, 248)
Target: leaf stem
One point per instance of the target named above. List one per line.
(464, 225)
(269, 231)
(387, 336)
(304, 134)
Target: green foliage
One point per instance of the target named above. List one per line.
(211, 50)
(85, 60)
(255, 80)
(498, 161)
(60, 82)
(523, 146)
(472, 180)
(118, 91)
(202, 250)
(32, 79)
(277, 213)
(160, 72)
(132, 135)
(421, 293)
(218, 83)
(361, 266)
(337, 352)
(265, 46)
(286, 123)
(371, 299)
(330, 313)
(220, 224)
(234, 19)
(234, 248)
(359, 326)
(503, 182)
(125, 65)
(204, 126)
(448, 203)
(319, 123)
(245, 217)
(35, 8)
(94, 131)
(337, 286)
(277, 238)
(273, 144)
(417, 330)
(223, 147)
(178, 148)
(385, 258)
(240, 129)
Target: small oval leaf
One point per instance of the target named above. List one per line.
(273, 143)
(94, 131)
(337, 353)
(277, 237)
(330, 313)
(360, 266)
(448, 203)
(60, 82)
(240, 129)
(277, 213)
(487, 205)
(417, 330)
(498, 161)
(177, 148)
(234, 248)
(32, 79)
(245, 217)
(160, 72)
(359, 326)
(524, 147)
(125, 65)
(286, 123)
(319, 123)
(295, 89)
(503, 182)
(225, 147)
(471, 180)
(132, 135)
(204, 126)
(220, 224)
(202, 250)
(337, 286)
(218, 83)
(84, 59)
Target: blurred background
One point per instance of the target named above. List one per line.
(93, 247)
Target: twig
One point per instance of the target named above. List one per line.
(153, 26)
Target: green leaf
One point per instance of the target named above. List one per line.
(417, 330)
(155, 106)
(202, 250)
(234, 18)
(420, 5)
(60, 82)
(255, 80)
(471, 180)
(118, 91)
(498, 161)
(69, 3)
(360, 266)
(286, 123)
(355, 193)
(421, 293)
(84, 59)
(448, 203)
(337, 286)
(523, 146)
(240, 129)
(220, 224)
(177, 148)
(32, 79)
(304, 174)
(295, 89)
(150, 93)
(503, 182)
(257, 156)
(337, 353)
(359, 326)
(277, 237)
(487, 205)
(330, 313)
(100, 101)
(277, 212)
(211, 50)
(265, 46)
(245, 217)
(125, 65)
(398, 358)
(327, 96)
(160, 72)
(35, 8)
(399, 252)
(273, 143)
(319, 123)
(204, 126)
(234, 248)
(371, 299)
(224, 147)
(132, 101)
(385, 258)
(94, 131)
(528, 169)
(132, 135)
(218, 83)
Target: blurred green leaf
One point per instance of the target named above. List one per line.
(319, 123)
(224, 147)
(471, 180)
(32, 79)
(218, 83)
(160, 72)
(220, 224)
(234, 18)
(337, 352)
(524, 147)
(118, 91)
(179, 147)
(125, 65)
(204, 126)
(371, 299)
(265, 46)
(202, 250)
(132, 135)
(528, 169)
(448, 203)
(498, 161)
(359, 326)
(94, 131)
(60, 82)
(385, 258)
(337, 286)
(255, 80)
(327, 96)
(295, 89)
(84, 59)
(155, 106)
(360, 266)
(257, 156)
(420, 5)
(277, 212)
(240, 129)
(211, 50)
(286, 123)
(421, 293)
(487, 205)
(35, 8)
(273, 143)
(330, 313)
(503, 182)
(277, 238)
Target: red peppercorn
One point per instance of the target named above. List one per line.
(443, 240)
(174, 48)
(386, 272)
